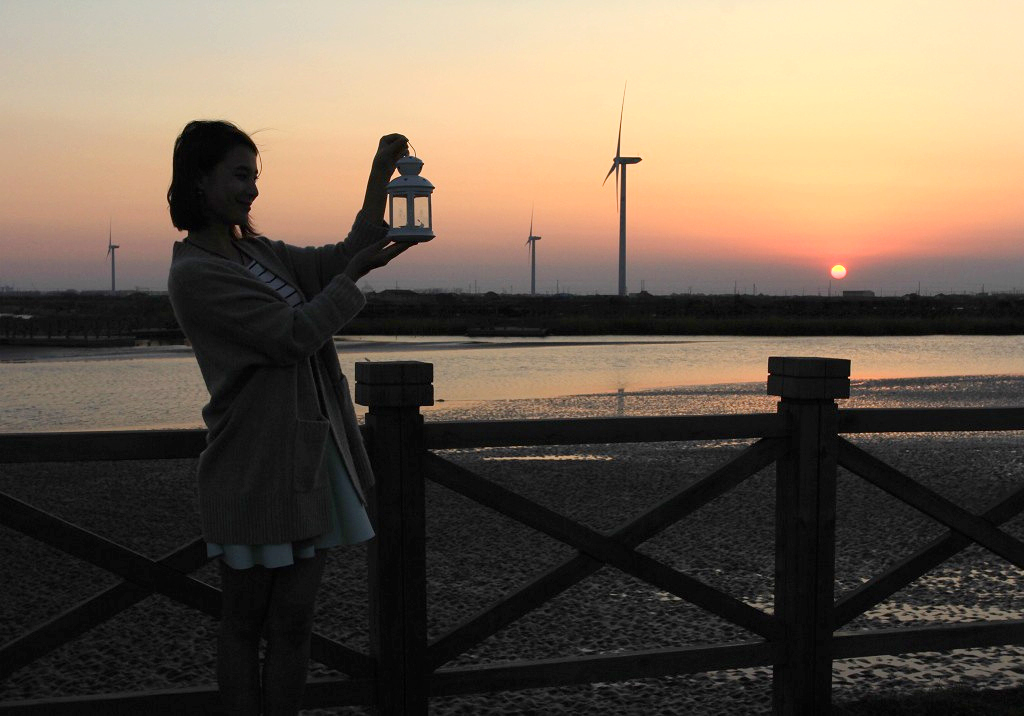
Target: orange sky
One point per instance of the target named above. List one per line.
(778, 137)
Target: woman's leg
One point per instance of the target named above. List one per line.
(289, 625)
(245, 596)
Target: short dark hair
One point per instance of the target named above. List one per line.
(200, 147)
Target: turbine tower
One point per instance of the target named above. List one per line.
(531, 244)
(111, 248)
(621, 161)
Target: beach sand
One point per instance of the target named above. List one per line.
(475, 556)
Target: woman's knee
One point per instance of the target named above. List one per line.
(291, 628)
(242, 631)
(292, 602)
(245, 598)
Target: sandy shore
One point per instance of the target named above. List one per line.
(473, 556)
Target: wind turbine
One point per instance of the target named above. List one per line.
(622, 161)
(531, 244)
(111, 248)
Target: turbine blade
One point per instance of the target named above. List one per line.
(616, 188)
(531, 222)
(615, 168)
(618, 143)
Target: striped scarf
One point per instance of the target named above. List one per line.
(288, 292)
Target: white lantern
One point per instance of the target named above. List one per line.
(409, 210)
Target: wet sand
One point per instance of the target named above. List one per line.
(473, 556)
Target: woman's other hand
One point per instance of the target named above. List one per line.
(390, 149)
(373, 256)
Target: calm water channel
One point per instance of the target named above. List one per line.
(160, 387)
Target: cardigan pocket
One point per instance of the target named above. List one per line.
(308, 443)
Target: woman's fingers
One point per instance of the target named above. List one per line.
(380, 252)
(397, 248)
(386, 254)
(393, 146)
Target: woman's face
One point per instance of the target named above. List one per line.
(230, 188)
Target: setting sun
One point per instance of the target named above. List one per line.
(838, 271)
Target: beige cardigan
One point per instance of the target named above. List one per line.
(260, 476)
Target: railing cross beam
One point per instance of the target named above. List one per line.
(578, 567)
(931, 503)
(600, 547)
(876, 590)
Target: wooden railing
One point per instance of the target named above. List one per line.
(403, 670)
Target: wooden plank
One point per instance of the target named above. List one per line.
(929, 420)
(786, 608)
(107, 604)
(397, 560)
(805, 558)
(634, 532)
(501, 433)
(808, 388)
(384, 572)
(125, 563)
(108, 445)
(824, 568)
(328, 693)
(163, 702)
(688, 500)
(599, 546)
(930, 503)
(97, 609)
(394, 372)
(601, 668)
(798, 367)
(319, 693)
(495, 617)
(340, 657)
(394, 395)
(849, 645)
(875, 591)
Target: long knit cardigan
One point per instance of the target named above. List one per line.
(261, 478)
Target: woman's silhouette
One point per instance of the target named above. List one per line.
(284, 474)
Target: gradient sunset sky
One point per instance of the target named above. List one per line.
(779, 137)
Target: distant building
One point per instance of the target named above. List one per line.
(397, 295)
(858, 294)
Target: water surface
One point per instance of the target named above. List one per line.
(161, 387)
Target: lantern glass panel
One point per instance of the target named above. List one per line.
(421, 212)
(399, 210)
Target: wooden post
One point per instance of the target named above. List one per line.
(394, 391)
(805, 521)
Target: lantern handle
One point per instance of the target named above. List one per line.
(413, 149)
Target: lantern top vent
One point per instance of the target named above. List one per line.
(409, 175)
(409, 165)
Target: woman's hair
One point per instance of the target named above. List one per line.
(200, 147)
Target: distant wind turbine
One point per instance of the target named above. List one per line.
(531, 244)
(111, 248)
(622, 161)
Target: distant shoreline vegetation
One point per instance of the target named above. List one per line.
(408, 313)
(96, 316)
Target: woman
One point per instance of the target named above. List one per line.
(284, 474)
